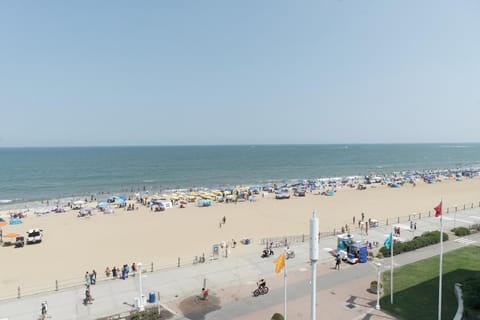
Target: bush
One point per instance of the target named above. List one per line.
(277, 316)
(471, 296)
(426, 239)
(461, 231)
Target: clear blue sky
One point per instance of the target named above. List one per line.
(238, 72)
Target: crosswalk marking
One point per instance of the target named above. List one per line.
(474, 217)
(458, 220)
(465, 241)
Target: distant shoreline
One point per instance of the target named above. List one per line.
(21, 204)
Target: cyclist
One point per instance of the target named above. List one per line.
(204, 294)
(261, 284)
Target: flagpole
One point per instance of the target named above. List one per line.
(314, 235)
(285, 285)
(391, 269)
(440, 276)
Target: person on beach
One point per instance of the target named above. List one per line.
(107, 272)
(353, 219)
(224, 219)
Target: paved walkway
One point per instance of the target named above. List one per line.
(340, 294)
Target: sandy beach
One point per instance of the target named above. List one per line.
(73, 245)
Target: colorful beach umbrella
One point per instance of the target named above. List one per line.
(3, 222)
(11, 235)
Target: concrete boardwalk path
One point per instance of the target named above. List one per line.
(340, 294)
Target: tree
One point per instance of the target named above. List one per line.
(277, 316)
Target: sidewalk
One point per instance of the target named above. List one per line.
(232, 280)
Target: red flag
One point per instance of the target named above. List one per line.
(438, 210)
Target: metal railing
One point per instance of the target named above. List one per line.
(279, 241)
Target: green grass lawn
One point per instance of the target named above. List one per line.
(416, 285)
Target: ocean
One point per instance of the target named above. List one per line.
(32, 175)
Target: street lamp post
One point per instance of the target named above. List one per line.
(140, 302)
(379, 266)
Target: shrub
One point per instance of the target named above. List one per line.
(461, 231)
(471, 295)
(277, 316)
(426, 239)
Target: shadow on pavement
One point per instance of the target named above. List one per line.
(195, 309)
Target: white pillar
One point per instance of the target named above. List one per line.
(379, 266)
(141, 307)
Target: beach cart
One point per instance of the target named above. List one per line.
(19, 242)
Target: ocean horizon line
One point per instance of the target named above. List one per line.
(239, 145)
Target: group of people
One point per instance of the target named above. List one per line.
(90, 278)
(130, 207)
(115, 272)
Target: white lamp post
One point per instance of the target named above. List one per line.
(379, 266)
(140, 302)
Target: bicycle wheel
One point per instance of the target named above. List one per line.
(265, 290)
(256, 293)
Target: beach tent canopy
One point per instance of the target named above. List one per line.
(15, 221)
(11, 235)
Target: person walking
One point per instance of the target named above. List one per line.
(44, 310)
(88, 279)
(93, 277)
(337, 262)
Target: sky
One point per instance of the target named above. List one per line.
(107, 73)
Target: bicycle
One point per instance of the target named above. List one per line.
(260, 291)
(203, 297)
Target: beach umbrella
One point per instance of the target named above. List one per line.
(3, 222)
(11, 235)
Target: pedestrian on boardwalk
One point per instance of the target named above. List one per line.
(93, 277)
(337, 262)
(88, 279)
(107, 272)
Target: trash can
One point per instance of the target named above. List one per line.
(151, 297)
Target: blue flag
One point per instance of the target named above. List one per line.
(388, 242)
